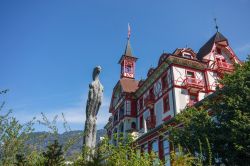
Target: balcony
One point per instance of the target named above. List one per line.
(194, 84)
(224, 67)
(151, 122)
(149, 101)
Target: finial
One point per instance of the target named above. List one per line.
(129, 31)
(216, 26)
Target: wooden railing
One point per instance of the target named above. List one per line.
(224, 66)
(194, 82)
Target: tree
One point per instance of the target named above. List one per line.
(12, 135)
(195, 128)
(225, 136)
(232, 111)
(54, 155)
(21, 161)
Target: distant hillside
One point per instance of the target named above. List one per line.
(71, 139)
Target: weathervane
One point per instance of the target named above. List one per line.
(216, 25)
(129, 31)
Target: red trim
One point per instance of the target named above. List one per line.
(148, 138)
(166, 106)
(160, 147)
(167, 118)
(155, 79)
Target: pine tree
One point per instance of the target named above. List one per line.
(54, 155)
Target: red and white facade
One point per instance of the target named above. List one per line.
(181, 79)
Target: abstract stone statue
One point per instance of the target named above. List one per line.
(93, 105)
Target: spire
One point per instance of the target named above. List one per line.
(128, 51)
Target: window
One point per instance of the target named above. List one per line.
(141, 103)
(141, 122)
(121, 112)
(166, 152)
(164, 82)
(121, 127)
(145, 148)
(151, 92)
(115, 117)
(187, 56)
(190, 74)
(166, 103)
(133, 125)
(128, 108)
(155, 148)
(193, 98)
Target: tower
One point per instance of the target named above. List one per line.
(127, 62)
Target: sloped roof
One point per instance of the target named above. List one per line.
(127, 52)
(129, 85)
(207, 47)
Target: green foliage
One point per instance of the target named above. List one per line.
(181, 158)
(12, 136)
(196, 127)
(223, 137)
(20, 160)
(232, 110)
(54, 155)
(125, 154)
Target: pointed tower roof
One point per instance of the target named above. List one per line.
(127, 52)
(217, 38)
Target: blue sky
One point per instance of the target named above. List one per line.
(48, 48)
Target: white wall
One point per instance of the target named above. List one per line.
(212, 79)
(179, 75)
(202, 95)
(181, 98)
(158, 108)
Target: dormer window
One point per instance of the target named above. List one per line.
(185, 55)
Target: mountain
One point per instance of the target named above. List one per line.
(71, 141)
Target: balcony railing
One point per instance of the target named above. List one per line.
(151, 121)
(194, 84)
(149, 101)
(225, 67)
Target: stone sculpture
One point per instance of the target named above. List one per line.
(93, 105)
